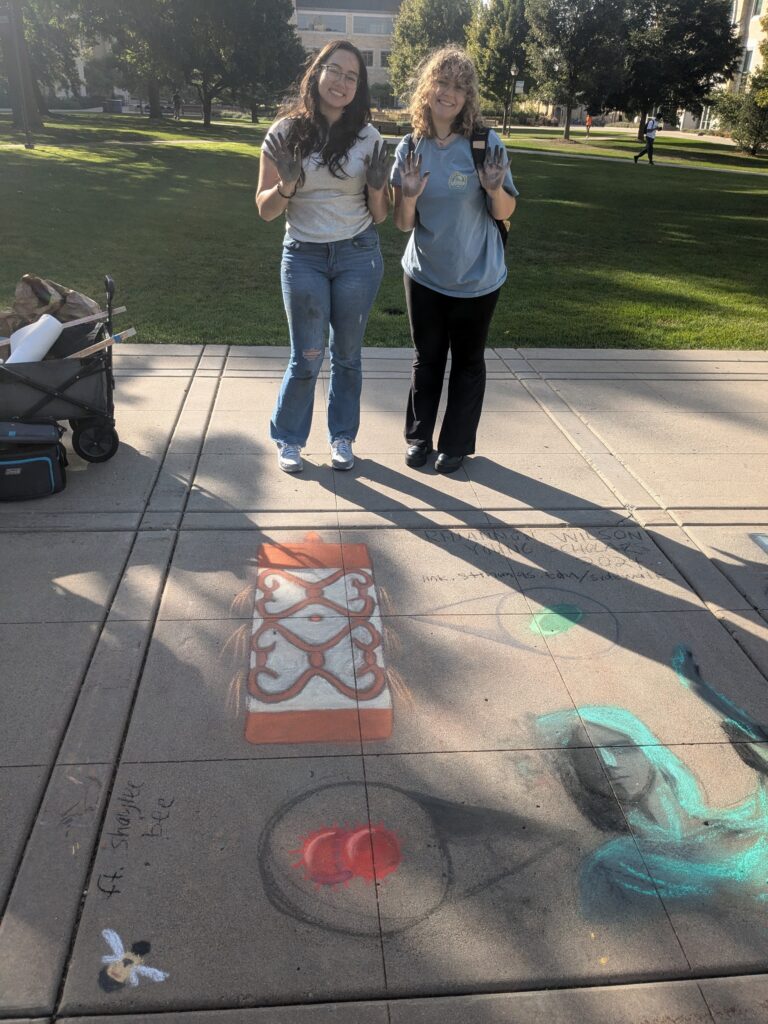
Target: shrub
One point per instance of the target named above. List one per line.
(745, 117)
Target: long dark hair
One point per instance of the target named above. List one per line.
(310, 130)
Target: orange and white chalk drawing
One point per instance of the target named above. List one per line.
(316, 671)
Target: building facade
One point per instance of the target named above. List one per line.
(366, 23)
(746, 16)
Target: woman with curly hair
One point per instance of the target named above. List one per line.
(325, 167)
(454, 260)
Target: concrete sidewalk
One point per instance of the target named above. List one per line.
(388, 746)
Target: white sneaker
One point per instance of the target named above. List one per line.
(289, 457)
(341, 453)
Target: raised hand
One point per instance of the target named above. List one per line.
(286, 160)
(412, 181)
(378, 166)
(494, 168)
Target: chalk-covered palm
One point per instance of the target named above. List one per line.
(494, 168)
(412, 181)
(286, 159)
(132, 964)
(378, 166)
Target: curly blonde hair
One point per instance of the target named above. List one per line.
(449, 62)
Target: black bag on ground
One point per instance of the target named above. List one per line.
(32, 460)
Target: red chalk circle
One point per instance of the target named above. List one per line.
(333, 856)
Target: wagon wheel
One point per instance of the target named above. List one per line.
(95, 441)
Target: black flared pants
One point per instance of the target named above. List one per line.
(439, 324)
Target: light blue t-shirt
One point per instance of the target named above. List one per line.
(455, 247)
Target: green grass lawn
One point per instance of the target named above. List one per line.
(601, 253)
(671, 148)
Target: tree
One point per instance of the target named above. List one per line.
(421, 26)
(17, 67)
(143, 35)
(745, 118)
(677, 52)
(496, 40)
(238, 47)
(575, 48)
(41, 40)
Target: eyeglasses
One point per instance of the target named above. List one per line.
(335, 72)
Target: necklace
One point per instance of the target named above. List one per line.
(443, 138)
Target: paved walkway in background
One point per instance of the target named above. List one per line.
(388, 746)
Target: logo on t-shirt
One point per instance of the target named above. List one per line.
(457, 181)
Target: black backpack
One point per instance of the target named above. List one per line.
(479, 144)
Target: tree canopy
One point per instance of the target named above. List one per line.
(575, 48)
(677, 51)
(496, 41)
(421, 26)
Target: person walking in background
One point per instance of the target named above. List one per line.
(326, 168)
(176, 106)
(651, 127)
(454, 260)
(588, 123)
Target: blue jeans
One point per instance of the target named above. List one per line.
(328, 291)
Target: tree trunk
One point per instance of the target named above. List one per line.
(153, 100)
(40, 102)
(641, 126)
(21, 84)
(254, 114)
(567, 129)
(207, 102)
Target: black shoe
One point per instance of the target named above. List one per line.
(636, 159)
(448, 463)
(417, 454)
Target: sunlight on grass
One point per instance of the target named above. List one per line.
(170, 212)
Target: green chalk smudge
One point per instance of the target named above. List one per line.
(556, 620)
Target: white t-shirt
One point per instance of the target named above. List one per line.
(325, 208)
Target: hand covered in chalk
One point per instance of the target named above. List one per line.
(412, 181)
(494, 168)
(287, 160)
(378, 166)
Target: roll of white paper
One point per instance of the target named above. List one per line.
(31, 343)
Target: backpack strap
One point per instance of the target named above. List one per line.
(479, 144)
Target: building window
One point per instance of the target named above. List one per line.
(372, 26)
(758, 8)
(308, 22)
(367, 56)
(385, 58)
(747, 62)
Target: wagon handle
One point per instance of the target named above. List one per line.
(109, 286)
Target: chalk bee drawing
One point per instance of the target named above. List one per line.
(125, 967)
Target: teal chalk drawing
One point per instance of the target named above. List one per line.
(556, 620)
(680, 847)
(688, 674)
(761, 539)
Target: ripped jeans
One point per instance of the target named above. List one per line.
(328, 291)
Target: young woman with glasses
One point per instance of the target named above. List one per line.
(454, 260)
(325, 167)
